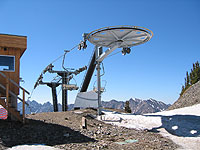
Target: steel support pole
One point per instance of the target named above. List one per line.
(54, 96)
(64, 92)
(99, 51)
(53, 86)
(99, 87)
(89, 73)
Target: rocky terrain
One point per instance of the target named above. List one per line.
(190, 97)
(62, 130)
(137, 106)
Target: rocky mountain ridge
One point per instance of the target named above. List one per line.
(35, 107)
(137, 106)
(190, 97)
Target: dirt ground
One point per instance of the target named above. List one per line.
(63, 130)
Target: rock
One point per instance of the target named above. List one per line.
(66, 135)
(98, 132)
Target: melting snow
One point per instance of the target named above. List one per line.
(33, 147)
(180, 125)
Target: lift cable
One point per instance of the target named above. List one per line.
(103, 69)
(58, 93)
(113, 54)
(57, 79)
(74, 80)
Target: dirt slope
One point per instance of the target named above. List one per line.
(62, 130)
(189, 98)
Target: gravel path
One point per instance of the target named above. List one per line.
(62, 130)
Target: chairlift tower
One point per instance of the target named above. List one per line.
(112, 38)
(66, 76)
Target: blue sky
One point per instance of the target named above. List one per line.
(155, 69)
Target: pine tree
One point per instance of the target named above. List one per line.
(195, 75)
(198, 71)
(127, 107)
(192, 77)
(187, 80)
(183, 90)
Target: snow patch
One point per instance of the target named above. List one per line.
(33, 147)
(180, 125)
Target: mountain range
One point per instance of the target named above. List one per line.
(138, 106)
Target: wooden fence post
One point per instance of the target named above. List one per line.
(84, 123)
(7, 93)
(23, 106)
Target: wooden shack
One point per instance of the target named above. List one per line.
(14, 46)
(11, 46)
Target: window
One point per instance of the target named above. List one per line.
(7, 63)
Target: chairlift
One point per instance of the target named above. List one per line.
(64, 79)
(103, 88)
(70, 87)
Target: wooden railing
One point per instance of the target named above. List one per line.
(8, 81)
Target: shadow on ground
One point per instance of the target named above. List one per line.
(38, 132)
(180, 125)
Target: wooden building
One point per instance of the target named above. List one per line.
(11, 46)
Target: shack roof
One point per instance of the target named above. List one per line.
(13, 41)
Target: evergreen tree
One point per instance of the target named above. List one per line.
(187, 80)
(192, 77)
(127, 107)
(195, 75)
(198, 71)
(183, 90)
